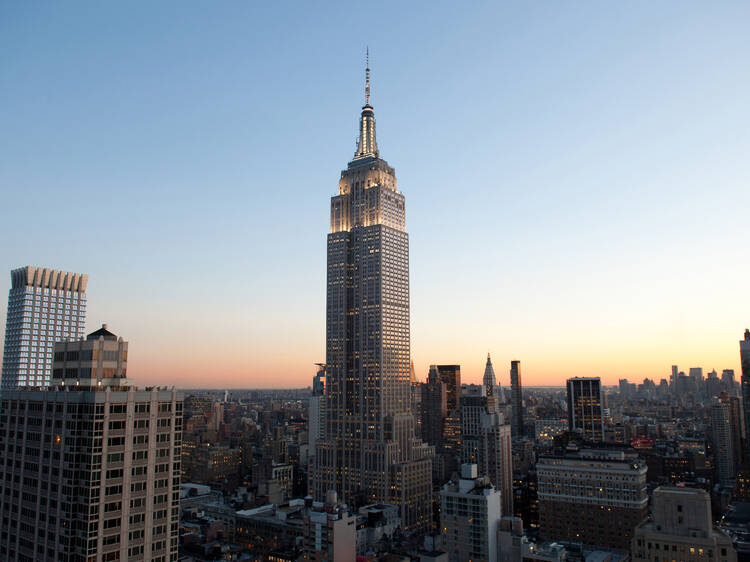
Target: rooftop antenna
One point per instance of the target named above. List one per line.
(367, 76)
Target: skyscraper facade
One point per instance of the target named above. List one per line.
(451, 376)
(433, 408)
(596, 497)
(316, 418)
(470, 517)
(585, 407)
(516, 399)
(44, 306)
(91, 465)
(486, 442)
(370, 453)
(745, 383)
(723, 442)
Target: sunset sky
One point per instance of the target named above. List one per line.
(576, 178)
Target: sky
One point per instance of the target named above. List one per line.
(575, 174)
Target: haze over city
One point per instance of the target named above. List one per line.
(580, 209)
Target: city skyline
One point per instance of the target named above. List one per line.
(604, 238)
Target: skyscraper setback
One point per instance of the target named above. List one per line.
(370, 452)
(44, 306)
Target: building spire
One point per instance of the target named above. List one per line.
(367, 146)
(367, 76)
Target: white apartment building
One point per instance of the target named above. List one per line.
(45, 306)
(470, 517)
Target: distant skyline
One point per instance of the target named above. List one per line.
(575, 176)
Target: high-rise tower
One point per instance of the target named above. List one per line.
(516, 394)
(585, 407)
(451, 376)
(316, 419)
(98, 477)
(44, 306)
(489, 381)
(723, 442)
(370, 452)
(745, 383)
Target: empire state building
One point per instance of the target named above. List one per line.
(370, 453)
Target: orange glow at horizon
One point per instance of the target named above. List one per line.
(194, 366)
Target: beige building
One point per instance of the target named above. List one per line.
(91, 465)
(330, 533)
(681, 529)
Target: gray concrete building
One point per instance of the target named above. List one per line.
(90, 466)
(44, 306)
(370, 453)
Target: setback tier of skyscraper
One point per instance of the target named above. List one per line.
(370, 452)
(44, 306)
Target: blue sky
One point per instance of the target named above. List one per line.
(576, 177)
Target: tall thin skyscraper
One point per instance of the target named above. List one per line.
(316, 418)
(585, 407)
(44, 306)
(516, 396)
(745, 383)
(370, 452)
(433, 408)
(721, 436)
